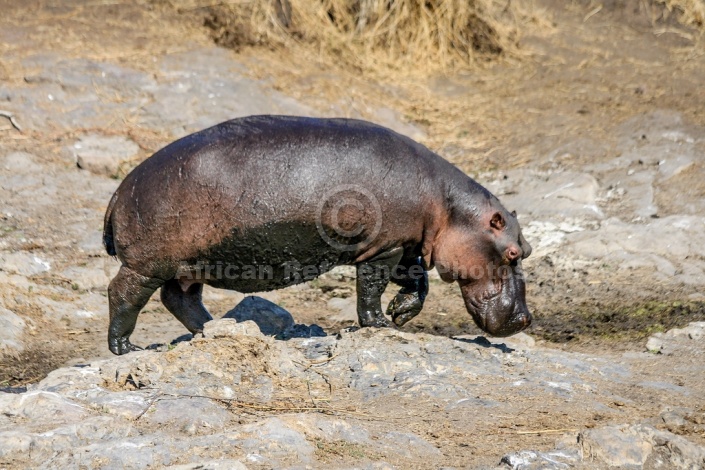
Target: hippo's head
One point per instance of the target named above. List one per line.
(482, 249)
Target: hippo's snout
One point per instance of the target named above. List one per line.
(503, 313)
(519, 321)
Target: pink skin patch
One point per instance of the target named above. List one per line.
(186, 281)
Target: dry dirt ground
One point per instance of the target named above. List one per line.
(567, 103)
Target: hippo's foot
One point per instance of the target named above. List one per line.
(404, 307)
(186, 305)
(120, 346)
(372, 279)
(377, 322)
(128, 292)
(413, 279)
(383, 324)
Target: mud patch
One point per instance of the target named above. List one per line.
(31, 365)
(619, 323)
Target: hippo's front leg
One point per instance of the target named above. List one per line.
(413, 279)
(372, 278)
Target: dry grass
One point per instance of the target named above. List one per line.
(371, 35)
(690, 12)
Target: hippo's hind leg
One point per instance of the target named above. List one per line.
(128, 292)
(186, 305)
(413, 279)
(372, 278)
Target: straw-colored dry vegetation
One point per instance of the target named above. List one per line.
(689, 12)
(392, 51)
(369, 35)
(376, 36)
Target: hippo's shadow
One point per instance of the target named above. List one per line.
(304, 331)
(272, 319)
(181, 339)
(486, 343)
(294, 331)
(173, 342)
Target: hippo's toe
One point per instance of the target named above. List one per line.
(120, 346)
(404, 307)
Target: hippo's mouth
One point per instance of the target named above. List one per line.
(479, 305)
(498, 305)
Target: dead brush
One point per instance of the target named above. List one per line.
(431, 35)
(690, 12)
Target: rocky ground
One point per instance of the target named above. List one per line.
(364, 399)
(596, 139)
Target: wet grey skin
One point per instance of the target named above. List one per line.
(289, 198)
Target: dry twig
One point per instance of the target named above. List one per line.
(546, 431)
(11, 117)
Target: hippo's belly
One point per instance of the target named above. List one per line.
(266, 258)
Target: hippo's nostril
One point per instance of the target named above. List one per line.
(512, 254)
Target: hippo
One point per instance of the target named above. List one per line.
(264, 202)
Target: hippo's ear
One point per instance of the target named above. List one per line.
(497, 221)
(514, 213)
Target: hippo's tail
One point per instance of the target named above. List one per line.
(108, 227)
